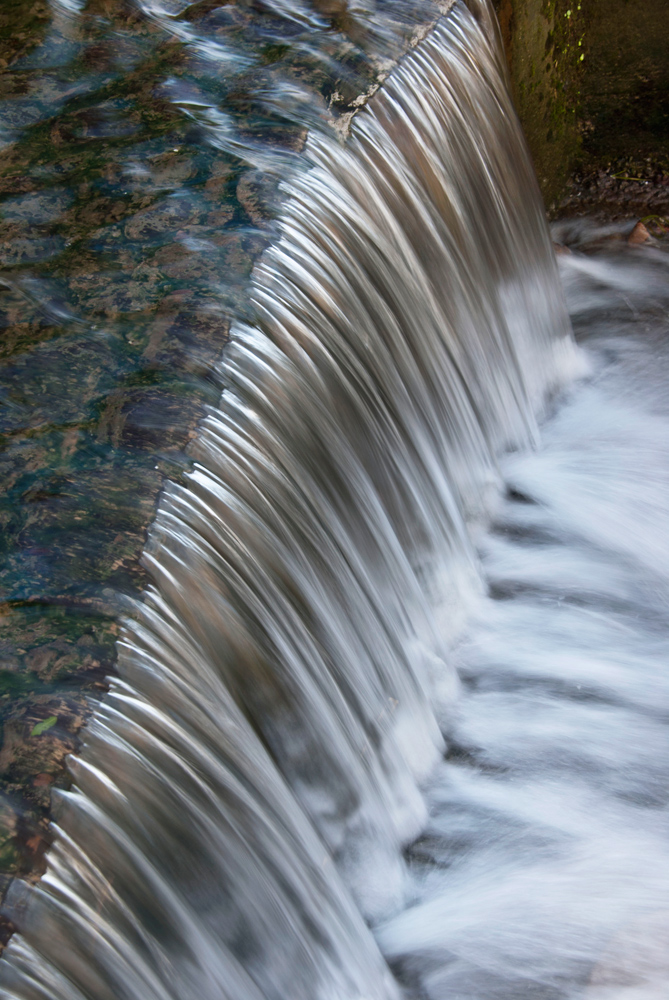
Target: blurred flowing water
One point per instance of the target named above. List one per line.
(141, 150)
(390, 718)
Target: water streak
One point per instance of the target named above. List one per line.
(256, 768)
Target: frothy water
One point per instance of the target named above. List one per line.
(544, 870)
(247, 787)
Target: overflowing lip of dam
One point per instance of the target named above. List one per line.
(390, 718)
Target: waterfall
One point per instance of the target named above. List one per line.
(245, 788)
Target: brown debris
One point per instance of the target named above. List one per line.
(639, 235)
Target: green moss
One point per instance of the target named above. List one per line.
(273, 52)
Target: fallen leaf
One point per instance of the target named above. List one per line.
(638, 235)
(42, 727)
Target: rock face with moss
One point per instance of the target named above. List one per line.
(591, 84)
(545, 46)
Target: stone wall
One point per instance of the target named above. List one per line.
(591, 83)
(625, 90)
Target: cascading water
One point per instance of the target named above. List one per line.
(543, 869)
(248, 783)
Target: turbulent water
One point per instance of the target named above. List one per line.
(543, 871)
(248, 785)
